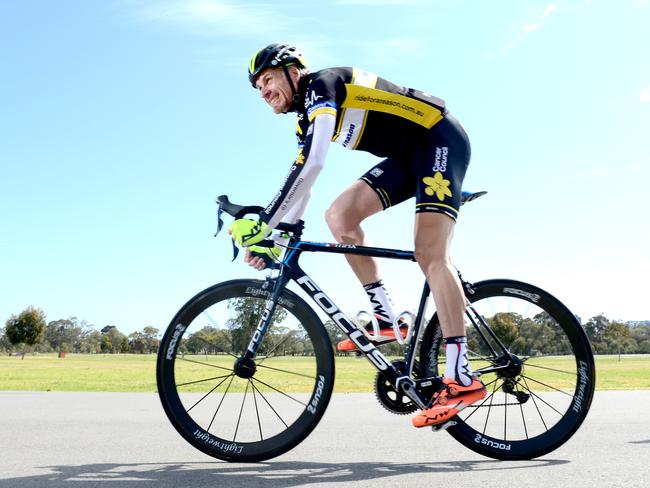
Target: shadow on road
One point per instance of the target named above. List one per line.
(281, 474)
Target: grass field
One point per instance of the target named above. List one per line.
(136, 373)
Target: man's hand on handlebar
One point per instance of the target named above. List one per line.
(261, 257)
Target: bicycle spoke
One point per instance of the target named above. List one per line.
(523, 419)
(529, 365)
(257, 411)
(539, 347)
(243, 401)
(287, 371)
(208, 393)
(473, 356)
(475, 407)
(281, 392)
(487, 417)
(270, 353)
(219, 349)
(547, 386)
(219, 406)
(536, 406)
(204, 364)
(249, 407)
(202, 381)
(270, 406)
(505, 416)
(533, 394)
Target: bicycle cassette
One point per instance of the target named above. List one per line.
(392, 400)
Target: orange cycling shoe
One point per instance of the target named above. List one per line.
(386, 334)
(451, 400)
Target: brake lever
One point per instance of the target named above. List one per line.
(219, 221)
(235, 249)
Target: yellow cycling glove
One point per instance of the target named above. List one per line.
(247, 232)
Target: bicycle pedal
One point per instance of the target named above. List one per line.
(443, 426)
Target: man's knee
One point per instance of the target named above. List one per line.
(341, 222)
(431, 263)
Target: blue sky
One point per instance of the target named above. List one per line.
(122, 120)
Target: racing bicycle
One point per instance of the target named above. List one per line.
(245, 369)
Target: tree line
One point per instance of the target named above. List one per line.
(539, 336)
(30, 332)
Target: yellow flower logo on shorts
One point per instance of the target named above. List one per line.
(437, 185)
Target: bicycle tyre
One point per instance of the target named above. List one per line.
(567, 360)
(287, 403)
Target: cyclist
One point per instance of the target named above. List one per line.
(426, 153)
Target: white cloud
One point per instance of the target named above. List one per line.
(215, 17)
(645, 95)
(379, 2)
(636, 167)
(537, 23)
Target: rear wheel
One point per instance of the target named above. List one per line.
(244, 410)
(539, 392)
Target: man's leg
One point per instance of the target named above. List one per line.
(344, 219)
(433, 236)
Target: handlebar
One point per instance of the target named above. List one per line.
(240, 211)
(237, 211)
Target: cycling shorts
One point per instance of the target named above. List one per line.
(432, 172)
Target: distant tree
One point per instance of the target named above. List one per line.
(5, 344)
(92, 342)
(641, 336)
(208, 340)
(644, 347)
(151, 338)
(246, 315)
(138, 343)
(26, 328)
(113, 341)
(506, 326)
(66, 335)
(334, 333)
(595, 329)
(617, 339)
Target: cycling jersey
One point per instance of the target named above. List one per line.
(362, 111)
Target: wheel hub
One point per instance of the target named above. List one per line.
(245, 368)
(513, 368)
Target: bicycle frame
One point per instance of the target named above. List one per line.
(290, 270)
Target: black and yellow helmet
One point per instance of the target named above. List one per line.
(274, 56)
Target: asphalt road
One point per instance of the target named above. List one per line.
(122, 440)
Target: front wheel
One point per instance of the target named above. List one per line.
(244, 410)
(538, 390)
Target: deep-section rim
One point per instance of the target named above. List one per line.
(250, 451)
(577, 411)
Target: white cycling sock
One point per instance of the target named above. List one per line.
(381, 304)
(457, 367)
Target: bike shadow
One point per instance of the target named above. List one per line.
(276, 474)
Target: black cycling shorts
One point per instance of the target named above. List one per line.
(433, 173)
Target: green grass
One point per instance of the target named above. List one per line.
(136, 373)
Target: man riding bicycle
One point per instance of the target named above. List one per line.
(426, 153)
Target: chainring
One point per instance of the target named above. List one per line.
(389, 398)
